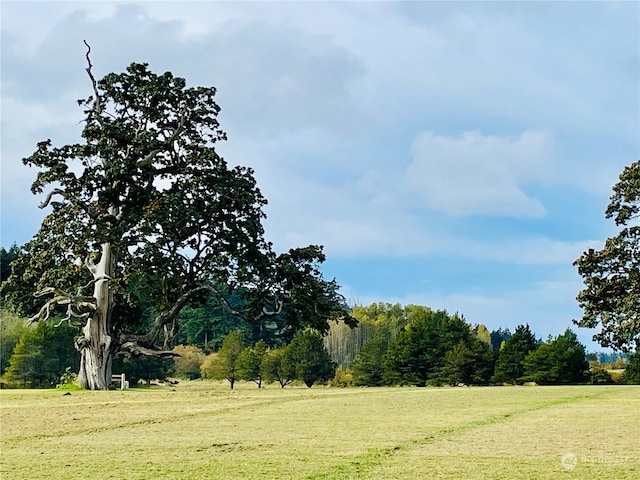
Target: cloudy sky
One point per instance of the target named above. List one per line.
(456, 155)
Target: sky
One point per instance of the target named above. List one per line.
(458, 155)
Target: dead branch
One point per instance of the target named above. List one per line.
(75, 305)
(132, 349)
(97, 107)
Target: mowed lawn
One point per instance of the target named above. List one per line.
(206, 431)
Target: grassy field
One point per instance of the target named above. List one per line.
(206, 431)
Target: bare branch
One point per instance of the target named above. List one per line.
(75, 303)
(151, 156)
(97, 107)
(55, 191)
(277, 311)
(133, 349)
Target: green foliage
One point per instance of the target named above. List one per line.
(249, 363)
(42, 355)
(187, 365)
(499, 336)
(509, 365)
(147, 198)
(482, 333)
(367, 368)
(276, 367)
(469, 362)
(308, 357)
(612, 275)
(68, 380)
(631, 373)
(387, 319)
(558, 361)
(12, 328)
(342, 378)
(6, 257)
(599, 376)
(223, 364)
(148, 368)
(417, 353)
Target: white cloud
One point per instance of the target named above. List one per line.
(478, 174)
(527, 250)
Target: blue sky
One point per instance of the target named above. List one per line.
(458, 155)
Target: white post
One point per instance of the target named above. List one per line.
(122, 384)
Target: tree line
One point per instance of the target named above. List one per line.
(410, 345)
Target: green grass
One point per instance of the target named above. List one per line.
(206, 431)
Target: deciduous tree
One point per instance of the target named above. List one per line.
(146, 207)
(223, 365)
(611, 297)
(276, 367)
(250, 361)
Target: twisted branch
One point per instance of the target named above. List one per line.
(55, 191)
(97, 106)
(77, 302)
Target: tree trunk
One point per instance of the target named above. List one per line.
(96, 346)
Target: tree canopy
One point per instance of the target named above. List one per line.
(146, 208)
(561, 360)
(611, 297)
(509, 365)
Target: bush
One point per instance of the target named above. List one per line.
(599, 376)
(631, 374)
(342, 378)
(187, 365)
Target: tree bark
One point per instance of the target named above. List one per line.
(96, 346)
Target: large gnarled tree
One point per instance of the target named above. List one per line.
(611, 297)
(146, 207)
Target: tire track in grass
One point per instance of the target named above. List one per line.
(360, 465)
(151, 421)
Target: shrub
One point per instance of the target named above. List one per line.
(187, 365)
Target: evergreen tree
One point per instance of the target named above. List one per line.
(417, 353)
(499, 336)
(468, 362)
(509, 367)
(367, 368)
(42, 354)
(307, 354)
(11, 329)
(631, 373)
(558, 361)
